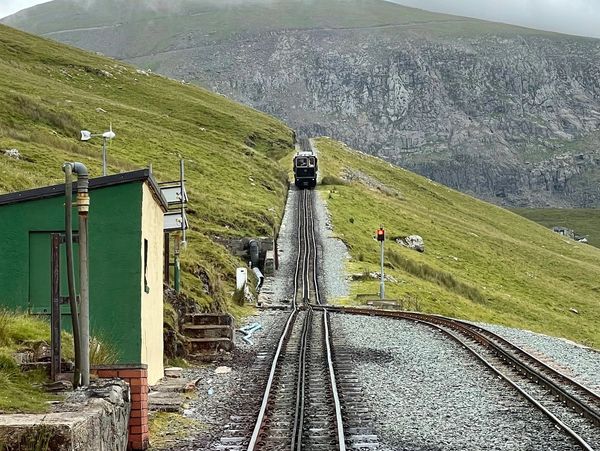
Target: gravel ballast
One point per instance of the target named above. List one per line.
(576, 361)
(278, 289)
(333, 253)
(428, 393)
(221, 396)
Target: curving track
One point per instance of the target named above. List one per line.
(300, 407)
(572, 407)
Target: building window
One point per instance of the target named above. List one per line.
(146, 287)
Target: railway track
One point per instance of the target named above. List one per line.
(571, 406)
(301, 408)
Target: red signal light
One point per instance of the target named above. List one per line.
(380, 235)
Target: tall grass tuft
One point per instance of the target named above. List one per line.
(444, 279)
(4, 325)
(102, 353)
(35, 110)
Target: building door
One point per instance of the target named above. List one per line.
(41, 250)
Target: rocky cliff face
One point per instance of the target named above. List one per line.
(507, 114)
(510, 120)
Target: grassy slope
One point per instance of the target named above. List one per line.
(585, 221)
(481, 262)
(49, 92)
(22, 392)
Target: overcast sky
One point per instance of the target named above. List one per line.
(580, 17)
(8, 7)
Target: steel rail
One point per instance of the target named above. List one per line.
(305, 268)
(492, 336)
(580, 441)
(307, 254)
(297, 272)
(440, 322)
(301, 385)
(263, 408)
(315, 261)
(489, 339)
(341, 436)
(282, 340)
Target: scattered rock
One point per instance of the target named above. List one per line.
(58, 386)
(100, 110)
(372, 275)
(173, 371)
(414, 242)
(23, 357)
(371, 182)
(572, 310)
(223, 370)
(12, 153)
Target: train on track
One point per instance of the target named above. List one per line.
(306, 165)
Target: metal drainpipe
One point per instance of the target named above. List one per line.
(68, 168)
(83, 208)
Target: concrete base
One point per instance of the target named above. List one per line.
(96, 418)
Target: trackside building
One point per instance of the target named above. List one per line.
(126, 242)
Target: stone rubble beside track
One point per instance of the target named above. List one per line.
(278, 290)
(235, 396)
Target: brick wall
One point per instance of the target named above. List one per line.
(137, 377)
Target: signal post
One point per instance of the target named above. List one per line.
(381, 239)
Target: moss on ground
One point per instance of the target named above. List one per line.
(167, 429)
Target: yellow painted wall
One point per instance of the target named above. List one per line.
(152, 302)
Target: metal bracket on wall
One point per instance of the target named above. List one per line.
(55, 316)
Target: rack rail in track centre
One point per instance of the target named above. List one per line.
(306, 289)
(580, 398)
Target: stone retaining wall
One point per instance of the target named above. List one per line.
(92, 419)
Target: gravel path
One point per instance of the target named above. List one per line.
(279, 288)
(579, 362)
(430, 394)
(333, 253)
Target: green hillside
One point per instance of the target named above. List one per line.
(481, 262)
(49, 92)
(584, 221)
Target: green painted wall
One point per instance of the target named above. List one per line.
(115, 263)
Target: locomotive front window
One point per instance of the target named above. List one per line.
(302, 162)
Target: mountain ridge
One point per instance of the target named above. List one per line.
(505, 113)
